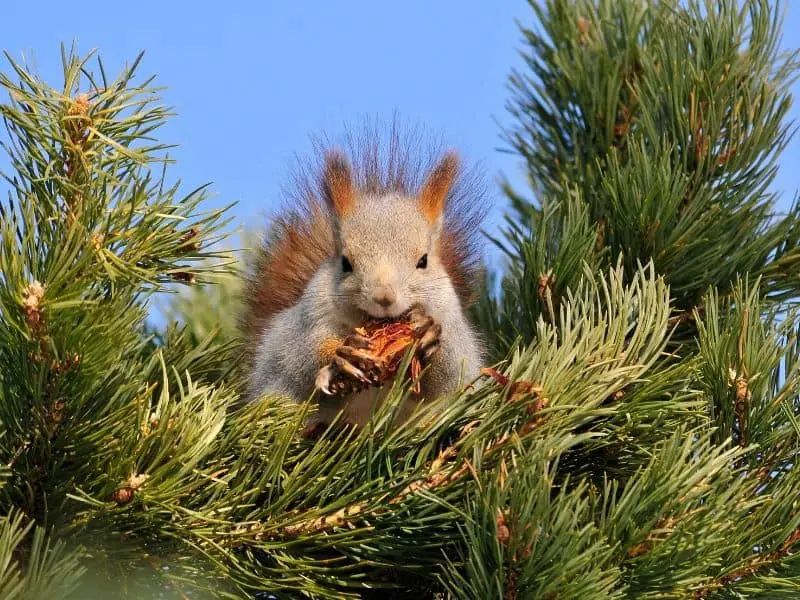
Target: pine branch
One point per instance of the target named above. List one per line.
(31, 566)
(678, 178)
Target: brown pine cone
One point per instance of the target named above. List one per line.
(381, 347)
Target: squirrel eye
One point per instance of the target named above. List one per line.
(422, 263)
(347, 266)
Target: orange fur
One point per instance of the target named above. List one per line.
(328, 350)
(453, 253)
(297, 245)
(302, 237)
(437, 186)
(339, 190)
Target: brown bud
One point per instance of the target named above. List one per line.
(124, 494)
(583, 29)
(545, 289)
(639, 549)
(187, 237)
(600, 241)
(183, 276)
(503, 532)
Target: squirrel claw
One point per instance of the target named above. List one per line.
(429, 333)
(355, 355)
(428, 352)
(355, 340)
(323, 380)
(346, 367)
(431, 336)
(430, 342)
(421, 324)
(329, 378)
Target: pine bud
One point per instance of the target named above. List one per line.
(31, 304)
(183, 276)
(78, 123)
(97, 240)
(125, 493)
(503, 532)
(187, 237)
(122, 496)
(545, 288)
(80, 106)
(583, 29)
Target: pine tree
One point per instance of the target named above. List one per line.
(636, 437)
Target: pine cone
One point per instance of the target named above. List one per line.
(386, 343)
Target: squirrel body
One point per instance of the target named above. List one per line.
(391, 237)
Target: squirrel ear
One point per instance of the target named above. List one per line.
(339, 189)
(437, 186)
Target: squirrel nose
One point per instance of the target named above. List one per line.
(385, 297)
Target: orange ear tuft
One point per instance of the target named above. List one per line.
(339, 188)
(437, 186)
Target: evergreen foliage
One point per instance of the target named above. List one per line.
(636, 440)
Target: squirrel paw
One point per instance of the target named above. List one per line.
(328, 380)
(429, 334)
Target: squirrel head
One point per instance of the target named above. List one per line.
(387, 246)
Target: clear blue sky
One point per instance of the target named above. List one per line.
(251, 80)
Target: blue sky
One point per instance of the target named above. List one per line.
(251, 81)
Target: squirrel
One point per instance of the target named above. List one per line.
(366, 236)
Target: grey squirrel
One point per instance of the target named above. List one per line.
(373, 235)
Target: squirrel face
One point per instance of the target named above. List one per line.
(388, 246)
(389, 256)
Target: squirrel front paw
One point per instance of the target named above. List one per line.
(429, 333)
(329, 378)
